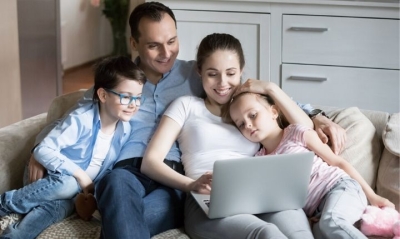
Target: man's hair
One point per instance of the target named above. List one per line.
(151, 10)
(108, 73)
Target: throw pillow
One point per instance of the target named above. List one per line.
(388, 183)
(62, 104)
(363, 146)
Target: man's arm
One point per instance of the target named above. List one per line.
(328, 131)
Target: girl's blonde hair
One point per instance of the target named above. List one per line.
(226, 117)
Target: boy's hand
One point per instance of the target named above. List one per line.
(85, 182)
(36, 170)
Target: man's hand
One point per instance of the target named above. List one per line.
(327, 130)
(36, 170)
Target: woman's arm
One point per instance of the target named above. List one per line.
(314, 143)
(157, 149)
(293, 113)
(153, 166)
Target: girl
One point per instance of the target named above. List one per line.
(203, 138)
(337, 192)
(79, 150)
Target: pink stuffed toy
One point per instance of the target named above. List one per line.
(381, 222)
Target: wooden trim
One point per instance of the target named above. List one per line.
(81, 66)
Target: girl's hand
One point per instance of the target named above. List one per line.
(379, 201)
(203, 184)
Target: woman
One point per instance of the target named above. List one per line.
(203, 138)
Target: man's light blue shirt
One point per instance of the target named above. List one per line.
(181, 80)
(69, 145)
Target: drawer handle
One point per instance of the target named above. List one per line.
(309, 29)
(308, 78)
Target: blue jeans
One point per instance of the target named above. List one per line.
(39, 218)
(341, 207)
(54, 186)
(134, 206)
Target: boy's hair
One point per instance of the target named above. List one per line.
(282, 121)
(218, 41)
(108, 73)
(151, 10)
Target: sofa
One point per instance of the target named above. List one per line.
(373, 148)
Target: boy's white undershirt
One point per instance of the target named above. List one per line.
(100, 150)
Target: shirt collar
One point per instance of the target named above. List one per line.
(123, 127)
(137, 62)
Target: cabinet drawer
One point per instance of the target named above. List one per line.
(372, 89)
(341, 41)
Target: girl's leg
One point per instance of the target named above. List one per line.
(52, 187)
(292, 223)
(340, 209)
(198, 225)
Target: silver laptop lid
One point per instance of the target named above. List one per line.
(260, 184)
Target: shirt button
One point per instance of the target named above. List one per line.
(157, 96)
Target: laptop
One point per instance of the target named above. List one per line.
(253, 185)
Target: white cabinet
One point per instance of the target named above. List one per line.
(365, 88)
(333, 52)
(341, 61)
(252, 30)
(341, 41)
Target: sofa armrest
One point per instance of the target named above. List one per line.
(388, 182)
(16, 142)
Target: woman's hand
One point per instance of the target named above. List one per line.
(36, 170)
(328, 130)
(379, 201)
(203, 184)
(254, 86)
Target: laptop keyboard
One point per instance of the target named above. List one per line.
(207, 202)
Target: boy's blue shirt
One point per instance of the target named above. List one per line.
(69, 145)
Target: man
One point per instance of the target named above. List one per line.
(132, 205)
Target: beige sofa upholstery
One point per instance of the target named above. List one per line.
(372, 147)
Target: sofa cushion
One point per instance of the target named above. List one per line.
(363, 147)
(16, 140)
(72, 227)
(62, 104)
(388, 182)
(391, 134)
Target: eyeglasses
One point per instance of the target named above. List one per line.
(127, 99)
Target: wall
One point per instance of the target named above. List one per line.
(10, 94)
(86, 34)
